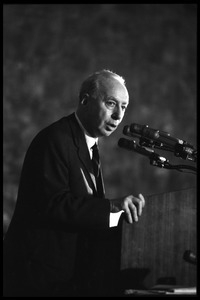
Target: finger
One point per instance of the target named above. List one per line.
(133, 210)
(138, 203)
(127, 210)
(128, 215)
(140, 206)
(142, 199)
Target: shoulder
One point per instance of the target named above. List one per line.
(56, 129)
(57, 133)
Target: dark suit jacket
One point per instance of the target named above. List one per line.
(59, 220)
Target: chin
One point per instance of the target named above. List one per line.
(107, 133)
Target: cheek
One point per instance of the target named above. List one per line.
(104, 113)
(96, 118)
(99, 115)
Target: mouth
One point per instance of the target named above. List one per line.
(111, 126)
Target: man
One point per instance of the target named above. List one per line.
(62, 215)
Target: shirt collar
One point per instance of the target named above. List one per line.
(89, 139)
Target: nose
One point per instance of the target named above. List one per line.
(118, 113)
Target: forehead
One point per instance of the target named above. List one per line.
(113, 88)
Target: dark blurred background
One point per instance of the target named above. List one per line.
(49, 49)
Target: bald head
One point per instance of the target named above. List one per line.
(94, 85)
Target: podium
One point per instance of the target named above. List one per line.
(152, 250)
(149, 252)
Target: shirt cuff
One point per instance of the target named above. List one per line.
(114, 218)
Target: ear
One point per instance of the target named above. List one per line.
(85, 99)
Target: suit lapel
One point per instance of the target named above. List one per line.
(83, 152)
(102, 188)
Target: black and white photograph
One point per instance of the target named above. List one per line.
(100, 150)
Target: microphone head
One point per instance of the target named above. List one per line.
(126, 130)
(127, 144)
(190, 257)
(145, 131)
(131, 145)
(137, 128)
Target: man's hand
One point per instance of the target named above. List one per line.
(131, 205)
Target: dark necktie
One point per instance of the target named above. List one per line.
(95, 160)
(96, 167)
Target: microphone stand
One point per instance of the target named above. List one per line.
(184, 151)
(162, 162)
(159, 161)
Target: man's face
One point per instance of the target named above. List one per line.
(106, 111)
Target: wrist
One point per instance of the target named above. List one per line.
(115, 205)
(111, 206)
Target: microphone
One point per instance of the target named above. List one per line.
(160, 139)
(132, 146)
(143, 130)
(190, 257)
(137, 130)
(155, 159)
